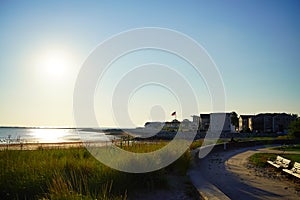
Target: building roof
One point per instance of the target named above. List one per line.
(247, 116)
(204, 115)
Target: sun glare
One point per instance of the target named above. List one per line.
(54, 63)
(48, 135)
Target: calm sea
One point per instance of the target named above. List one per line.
(50, 135)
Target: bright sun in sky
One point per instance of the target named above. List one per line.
(54, 63)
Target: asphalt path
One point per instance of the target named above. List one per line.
(224, 175)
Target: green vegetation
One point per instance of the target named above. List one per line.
(197, 143)
(234, 119)
(75, 174)
(289, 148)
(143, 147)
(260, 138)
(260, 159)
(294, 128)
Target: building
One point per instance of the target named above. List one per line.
(245, 123)
(172, 126)
(272, 122)
(220, 122)
(186, 125)
(195, 122)
(154, 125)
(282, 121)
(263, 123)
(204, 122)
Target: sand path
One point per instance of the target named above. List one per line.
(224, 175)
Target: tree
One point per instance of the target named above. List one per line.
(234, 119)
(294, 128)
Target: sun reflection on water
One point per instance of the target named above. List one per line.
(48, 135)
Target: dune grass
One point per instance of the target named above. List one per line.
(75, 174)
(143, 147)
(195, 144)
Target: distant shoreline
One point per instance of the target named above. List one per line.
(79, 128)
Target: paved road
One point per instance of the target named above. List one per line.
(224, 175)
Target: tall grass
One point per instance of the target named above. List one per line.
(75, 174)
(144, 147)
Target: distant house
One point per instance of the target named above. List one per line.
(263, 123)
(172, 126)
(196, 119)
(272, 122)
(216, 120)
(204, 122)
(195, 122)
(186, 125)
(206, 119)
(175, 125)
(154, 125)
(282, 121)
(245, 123)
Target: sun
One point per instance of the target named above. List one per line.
(54, 63)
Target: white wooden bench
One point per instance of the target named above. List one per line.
(280, 162)
(295, 171)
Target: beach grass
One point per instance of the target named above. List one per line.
(75, 174)
(196, 144)
(143, 147)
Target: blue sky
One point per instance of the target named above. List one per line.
(255, 44)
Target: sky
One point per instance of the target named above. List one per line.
(43, 45)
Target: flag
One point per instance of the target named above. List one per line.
(173, 114)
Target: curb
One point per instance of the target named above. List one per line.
(206, 190)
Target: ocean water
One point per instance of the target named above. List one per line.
(51, 135)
